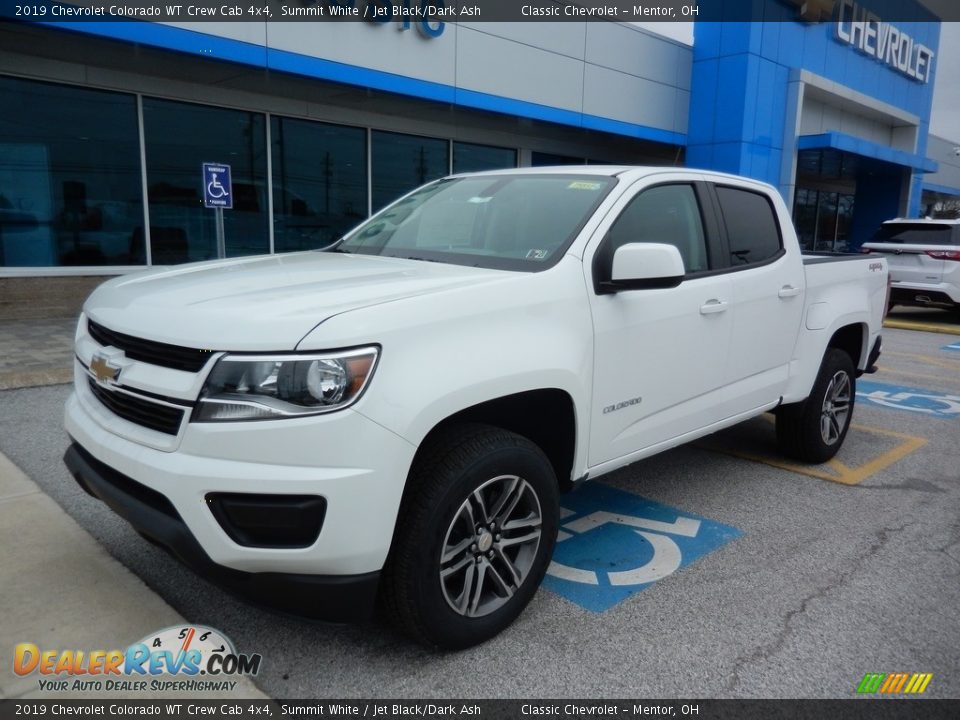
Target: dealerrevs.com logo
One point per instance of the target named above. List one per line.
(190, 658)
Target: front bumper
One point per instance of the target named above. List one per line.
(356, 466)
(337, 598)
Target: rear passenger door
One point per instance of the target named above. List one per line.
(766, 296)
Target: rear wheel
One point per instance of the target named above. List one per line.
(474, 537)
(814, 430)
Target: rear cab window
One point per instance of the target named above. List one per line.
(753, 233)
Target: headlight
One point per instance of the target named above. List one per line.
(262, 387)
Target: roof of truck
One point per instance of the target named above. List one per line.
(636, 171)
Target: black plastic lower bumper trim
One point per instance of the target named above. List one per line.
(921, 298)
(873, 357)
(333, 598)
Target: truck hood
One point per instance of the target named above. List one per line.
(264, 303)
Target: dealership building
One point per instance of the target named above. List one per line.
(105, 126)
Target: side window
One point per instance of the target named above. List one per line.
(752, 229)
(665, 214)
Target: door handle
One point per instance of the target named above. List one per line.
(713, 306)
(788, 291)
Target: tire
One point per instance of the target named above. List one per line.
(469, 473)
(814, 430)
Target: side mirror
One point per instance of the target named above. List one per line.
(645, 266)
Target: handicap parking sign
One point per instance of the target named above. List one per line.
(217, 188)
(613, 544)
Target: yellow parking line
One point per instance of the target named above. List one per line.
(928, 327)
(843, 474)
(910, 444)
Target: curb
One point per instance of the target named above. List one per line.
(926, 327)
(35, 378)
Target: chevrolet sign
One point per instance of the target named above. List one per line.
(883, 41)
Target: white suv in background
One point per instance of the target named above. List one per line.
(924, 260)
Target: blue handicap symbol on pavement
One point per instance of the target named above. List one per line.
(931, 403)
(955, 346)
(613, 544)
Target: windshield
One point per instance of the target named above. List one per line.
(914, 234)
(508, 222)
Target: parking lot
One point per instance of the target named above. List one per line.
(713, 570)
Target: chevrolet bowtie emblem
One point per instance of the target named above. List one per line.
(105, 367)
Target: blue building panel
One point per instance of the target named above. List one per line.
(778, 104)
(703, 87)
(814, 57)
(771, 44)
(706, 37)
(731, 104)
(867, 149)
(769, 98)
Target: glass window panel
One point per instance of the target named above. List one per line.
(513, 222)
(826, 222)
(539, 159)
(666, 214)
(319, 182)
(805, 217)
(808, 163)
(404, 162)
(468, 157)
(180, 137)
(70, 190)
(830, 164)
(752, 229)
(844, 220)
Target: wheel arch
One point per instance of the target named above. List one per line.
(850, 333)
(853, 339)
(547, 417)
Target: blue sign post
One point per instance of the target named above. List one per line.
(218, 194)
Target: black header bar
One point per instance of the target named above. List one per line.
(447, 11)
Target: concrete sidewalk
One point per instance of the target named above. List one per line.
(37, 351)
(59, 589)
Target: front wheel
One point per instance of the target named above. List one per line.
(474, 536)
(814, 430)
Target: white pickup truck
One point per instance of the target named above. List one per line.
(394, 418)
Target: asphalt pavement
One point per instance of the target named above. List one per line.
(810, 580)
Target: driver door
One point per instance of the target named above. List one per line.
(659, 354)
